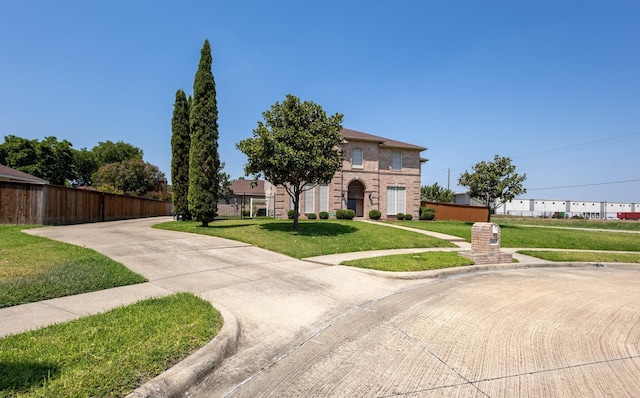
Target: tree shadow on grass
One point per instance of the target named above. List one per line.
(21, 376)
(311, 228)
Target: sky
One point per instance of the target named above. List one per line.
(553, 85)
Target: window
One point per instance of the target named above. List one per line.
(396, 160)
(323, 197)
(309, 199)
(356, 158)
(396, 199)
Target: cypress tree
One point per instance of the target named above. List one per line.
(180, 145)
(204, 160)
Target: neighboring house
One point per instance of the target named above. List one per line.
(245, 195)
(377, 173)
(12, 175)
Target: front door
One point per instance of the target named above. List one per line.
(355, 198)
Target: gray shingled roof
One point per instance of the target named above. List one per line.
(352, 135)
(13, 175)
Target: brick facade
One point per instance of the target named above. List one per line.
(372, 184)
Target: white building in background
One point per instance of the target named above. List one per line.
(559, 208)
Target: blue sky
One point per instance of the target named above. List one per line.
(554, 85)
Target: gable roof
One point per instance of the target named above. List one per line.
(239, 187)
(353, 135)
(13, 175)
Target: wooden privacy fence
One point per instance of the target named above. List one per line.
(448, 211)
(22, 203)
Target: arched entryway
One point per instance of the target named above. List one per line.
(355, 197)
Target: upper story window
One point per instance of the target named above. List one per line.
(356, 158)
(396, 160)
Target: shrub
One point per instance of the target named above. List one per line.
(400, 216)
(375, 214)
(311, 216)
(427, 213)
(246, 213)
(324, 215)
(408, 217)
(290, 214)
(345, 214)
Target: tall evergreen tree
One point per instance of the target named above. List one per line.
(204, 161)
(180, 145)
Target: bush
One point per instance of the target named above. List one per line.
(427, 213)
(290, 214)
(246, 213)
(324, 215)
(375, 214)
(345, 214)
(400, 216)
(311, 216)
(408, 217)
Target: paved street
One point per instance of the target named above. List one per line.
(307, 329)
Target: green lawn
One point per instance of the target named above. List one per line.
(569, 223)
(412, 262)
(521, 236)
(109, 354)
(583, 256)
(313, 238)
(34, 268)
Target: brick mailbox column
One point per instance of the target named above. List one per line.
(485, 244)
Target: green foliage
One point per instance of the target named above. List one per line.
(49, 159)
(180, 146)
(312, 216)
(493, 183)
(408, 216)
(324, 215)
(295, 146)
(246, 213)
(204, 160)
(290, 214)
(345, 214)
(131, 177)
(427, 213)
(109, 354)
(436, 193)
(412, 262)
(400, 216)
(53, 269)
(115, 152)
(375, 214)
(85, 165)
(313, 238)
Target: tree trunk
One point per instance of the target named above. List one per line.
(296, 206)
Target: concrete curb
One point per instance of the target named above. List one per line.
(447, 272)
(174, 381)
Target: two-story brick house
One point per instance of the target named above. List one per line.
(377, 173)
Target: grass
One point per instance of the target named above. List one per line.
(313, 238)
(561, 256)
(569, 223)
(521, 236)
(109, 354)
(412, 262)
(33, 268)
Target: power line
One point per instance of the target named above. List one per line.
(584, 185)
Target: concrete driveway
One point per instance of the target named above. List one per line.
(312, 330)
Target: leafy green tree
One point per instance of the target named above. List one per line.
(85, 165)
(204, 161)
(20, 154)
(49, 159)
(131, 177)
(295, 147)
(493, 183)
(55, 161)
(180, 146)
(114, 152)
(436, 193)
